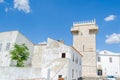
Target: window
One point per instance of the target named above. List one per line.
(59, 76)
(81, 33)
(99, 59)
(0, 46)
(79, 61)
(8, 46)
(100, 72)
(73, 57)
(72, 73)
(110, 60)
(76, 60)
(63, 55)
(105, 71)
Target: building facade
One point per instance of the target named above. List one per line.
(84, 40)
(52, 60)
(57, 60)
(108, 63)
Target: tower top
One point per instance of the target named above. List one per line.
(90, 22)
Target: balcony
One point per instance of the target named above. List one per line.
(74, 30)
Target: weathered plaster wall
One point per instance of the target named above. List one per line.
(14, 73)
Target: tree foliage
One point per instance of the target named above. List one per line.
(20, 53)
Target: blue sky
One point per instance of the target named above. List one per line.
(39, 19)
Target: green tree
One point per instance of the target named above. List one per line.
(20, 53)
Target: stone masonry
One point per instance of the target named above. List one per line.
(84, 40)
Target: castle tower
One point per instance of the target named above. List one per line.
(84, 40)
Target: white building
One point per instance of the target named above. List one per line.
(7, 41)
(108, 63)
(49, 61)
(60, 60)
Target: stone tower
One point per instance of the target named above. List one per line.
(84, 40)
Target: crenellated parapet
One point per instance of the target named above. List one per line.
(90, 22)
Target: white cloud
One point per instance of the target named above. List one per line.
(1, 1)
(22, 5)
(110, 18)
(114, 38)
(8, 9)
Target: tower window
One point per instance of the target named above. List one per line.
(63, 55)
(83, 47)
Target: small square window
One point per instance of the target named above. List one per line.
(63, 55)
(59, 76)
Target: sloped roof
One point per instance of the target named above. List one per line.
(76, 50)
(106, 52)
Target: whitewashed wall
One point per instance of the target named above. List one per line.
(21, 39)
(15, 73)
(6, 37)
(109, 68)
(13, 37)
(48, 56)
